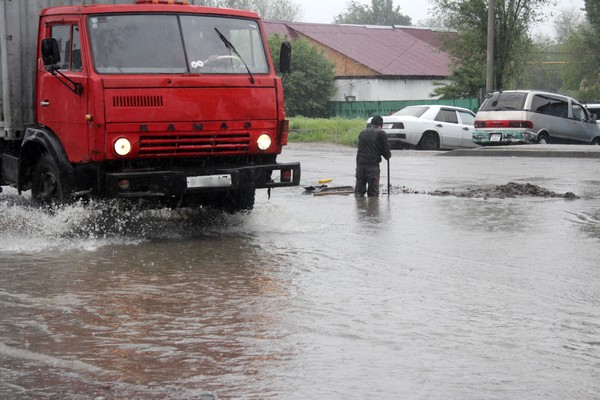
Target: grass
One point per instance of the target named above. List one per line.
(334, 130)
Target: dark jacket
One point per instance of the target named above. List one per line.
(372, 144)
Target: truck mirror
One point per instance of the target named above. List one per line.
(285, 57)
(50, 54)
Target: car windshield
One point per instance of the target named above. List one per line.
(411, 111)
(504, 101)
(158, 44)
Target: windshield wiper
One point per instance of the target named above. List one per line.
(230, 46)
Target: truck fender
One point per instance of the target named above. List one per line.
(36, 143)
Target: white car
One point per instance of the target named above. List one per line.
(430, 127)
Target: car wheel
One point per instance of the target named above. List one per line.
(429, 141)
(543, 138)
(596, 142)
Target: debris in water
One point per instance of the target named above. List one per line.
(510, 190)
(325, 190)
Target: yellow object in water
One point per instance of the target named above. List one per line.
(326, 180)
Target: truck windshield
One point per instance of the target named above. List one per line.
(174, 44)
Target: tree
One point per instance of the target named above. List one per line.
(581, 69)
(541, 69)
(467, 51)
(566, 22)
(592, 10)
(381, 12)
(276, 10)
(310, 85)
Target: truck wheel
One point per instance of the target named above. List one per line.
(46, 185)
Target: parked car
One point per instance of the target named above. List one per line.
(430, 127)
(531, 116)
(594, 109)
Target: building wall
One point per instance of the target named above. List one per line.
(378, 89)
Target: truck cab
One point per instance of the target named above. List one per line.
(152, 101)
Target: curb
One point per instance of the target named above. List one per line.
(539, 150)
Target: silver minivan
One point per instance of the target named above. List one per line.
(532, 116)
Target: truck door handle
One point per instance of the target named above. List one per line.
(439, 125)
(44, 103)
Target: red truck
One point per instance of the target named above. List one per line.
(154, 100)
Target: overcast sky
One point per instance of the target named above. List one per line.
(323, 11)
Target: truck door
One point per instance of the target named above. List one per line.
(58, 106)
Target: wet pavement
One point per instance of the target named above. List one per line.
(411, 295)
(531, 150)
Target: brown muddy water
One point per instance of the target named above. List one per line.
(409, 296)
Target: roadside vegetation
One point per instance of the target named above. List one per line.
(334, 130)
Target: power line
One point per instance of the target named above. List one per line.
(565, 53)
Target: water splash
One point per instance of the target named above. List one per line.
(89, 225)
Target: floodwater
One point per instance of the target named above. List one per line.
(408, 296)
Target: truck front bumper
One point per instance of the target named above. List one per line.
(163, 184)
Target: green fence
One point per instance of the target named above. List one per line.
(366, 109)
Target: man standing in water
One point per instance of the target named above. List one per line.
(372, 145)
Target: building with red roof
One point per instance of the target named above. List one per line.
(376, 63)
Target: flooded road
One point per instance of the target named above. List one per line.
(409, 296)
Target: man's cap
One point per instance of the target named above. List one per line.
(377, 120)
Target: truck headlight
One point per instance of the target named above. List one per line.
(264, 142)
(122, 146)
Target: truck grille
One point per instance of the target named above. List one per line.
(194, 143)
(138, 101)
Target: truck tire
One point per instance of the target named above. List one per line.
(47, 188)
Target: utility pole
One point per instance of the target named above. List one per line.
(489, 77)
